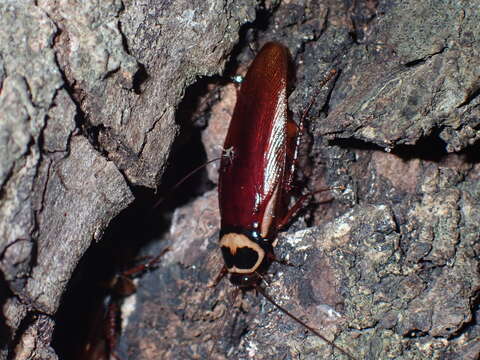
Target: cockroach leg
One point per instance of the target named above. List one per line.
(122, 286)
(293, 317)
(263, 278)
(273, 258)
(254, 185)
(135, 271)
(219, 277)
(293, 211)
(303, 116)
(111, 329)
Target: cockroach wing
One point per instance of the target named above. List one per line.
(251, 180)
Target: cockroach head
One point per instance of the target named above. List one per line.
(246, 281)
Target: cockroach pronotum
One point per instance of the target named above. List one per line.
(255, 179)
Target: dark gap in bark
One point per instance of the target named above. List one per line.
(5, 293)
(414, 334)
(85, 304)
(415, 63)
(26, 322)
(429, 148)
(242, 52)
(77, 95)
(140, 77)
(355, 144)
(92, 134)
(472, 153)
(81, 318)
(188, 151)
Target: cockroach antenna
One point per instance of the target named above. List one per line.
(186, 177)
(294, 318)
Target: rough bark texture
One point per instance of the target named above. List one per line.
(389, 268)
(88, 97)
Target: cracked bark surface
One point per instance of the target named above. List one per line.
(388, 269)
(88, 97)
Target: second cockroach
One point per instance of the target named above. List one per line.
(255, 179)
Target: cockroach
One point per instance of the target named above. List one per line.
(102, 338)
(255, 181)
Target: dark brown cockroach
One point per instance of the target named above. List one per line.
(101, 340)
(255, 180)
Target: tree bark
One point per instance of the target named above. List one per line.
(388, 268)
(89, 92)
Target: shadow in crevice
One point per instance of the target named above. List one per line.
(25, 323)
(140, 78)
(140, 225)
(355, 144)
(5, 331)
(429, 148)
(472, 153)
(82, 319)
